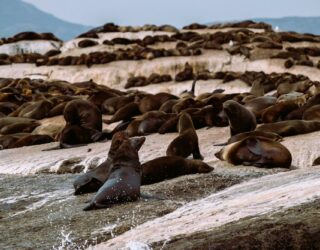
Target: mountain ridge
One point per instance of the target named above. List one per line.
(18, 16)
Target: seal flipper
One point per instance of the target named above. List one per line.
(102, 136)
(196, 153)
(64, 146)
(91, 185)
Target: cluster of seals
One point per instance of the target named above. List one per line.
(189, 42)
(146, 41)
(111, 27)
(134, 53)
(29, 36)
(140, 81)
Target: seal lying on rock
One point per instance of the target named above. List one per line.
(124, 181)
(169, 167)
(291, 127)
(187, 141)
(94, 179)
(256, 151)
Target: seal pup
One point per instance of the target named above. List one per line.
(124, 181)
(94, 179)
(187, 141)
(240, 118)
(169, 167)
(256, 151)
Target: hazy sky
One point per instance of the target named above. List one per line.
(176, 12)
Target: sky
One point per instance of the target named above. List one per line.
(175, 12)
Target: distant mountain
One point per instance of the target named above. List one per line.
(17, 16)
(297, 24)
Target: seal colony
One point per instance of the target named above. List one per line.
(278, 105)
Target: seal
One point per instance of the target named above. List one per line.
(125, 113)
(94, 179)
(259, 104)
(298, 113)
(240, 119)
(278, 111)
(169, 167)
(187, 141)
(256, 151)
(124, 182)
(290, 127)
(312, 113)
(83, 121)
(31, 140)
(241, 136)
(316, 162)
(20, 127)
(154, 102)
(6, 141)
(83, 113)
(111, 105)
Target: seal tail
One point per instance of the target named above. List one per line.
(89, 207)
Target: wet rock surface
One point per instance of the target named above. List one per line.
(41, 212)
(295, 228)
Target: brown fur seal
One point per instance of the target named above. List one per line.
(278, 111)
(169, 167)
(256, 151)
(94, 179)
(312, 113)
(240, 119)
(187, 141)
(152, 124)
(257, 105)
(7, 141)
(36, 110)
(154, 102)
(83, 113)
(316, 162)
(291, 127)
(285, 88)
(125, 113)
(21, 127)
(83, 122)
(297, 114)
(186, 74)
(241, 136)
(7, 121)
(124, 181)
(31, 140)
(111, 105)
